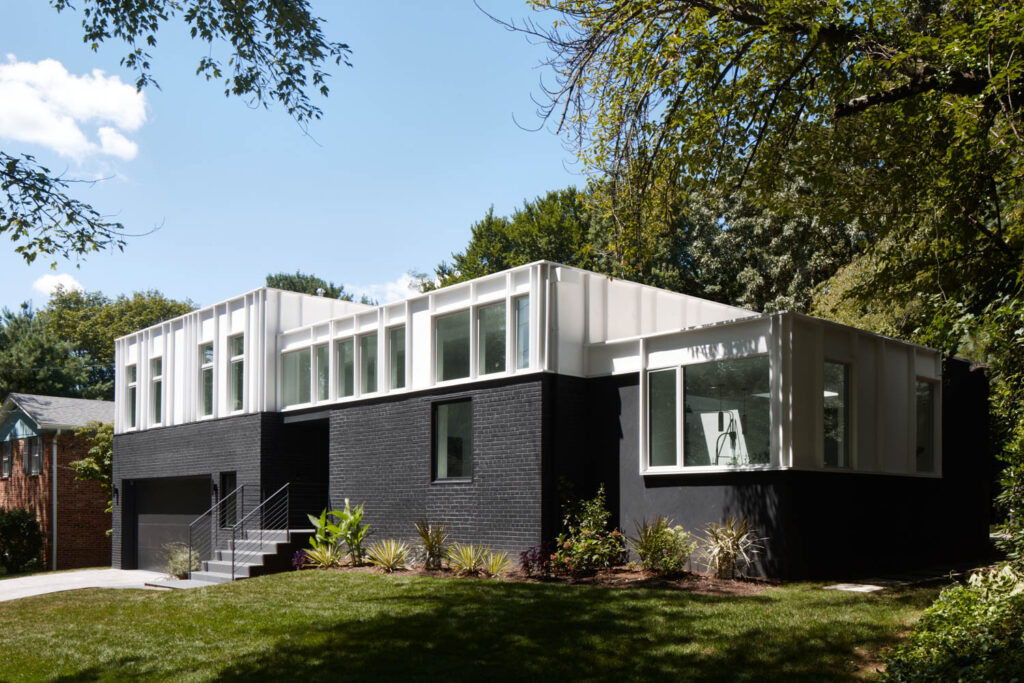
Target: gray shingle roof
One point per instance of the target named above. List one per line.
(53, 412)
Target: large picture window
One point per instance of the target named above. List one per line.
(453, 440)
(295, 377)
(206, 379)
(726, 413)
(491, 345)
(451, 335)
(663, 424)
(836, 415)
(368, 363)
(236, 349)
(133, 395)
(924, 449)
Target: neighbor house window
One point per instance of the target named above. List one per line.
(368, 363)
(344, 360)
(156, 389)
(6, 456)
(491, 338)
(236, 348)
(836, 416)
(35, 447)
(295, 377)
(451, 336)
(396, 357)
(206, 379)
(323, 372)
(133, 394)
(924, 450)
(663, 422)
(453, 440)
(522, 325)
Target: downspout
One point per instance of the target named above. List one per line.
(53, 515)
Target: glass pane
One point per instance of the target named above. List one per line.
(156, 367)
(453, 346)
(295, 377)
(158, 398)
(207, 391)
(323, 373)
(131, 374)
(237, 345)
(131, 406)
(837, 415)
(726, 418)
(346, 369)
(925, 444)
(237, 384)
(522, 332)
(492, 338)
(206, 354)
(453, 426)
(661, 392)
(368, 364)
(397, 352)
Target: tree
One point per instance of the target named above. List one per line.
(89, 322)
(34, 361)
(278, 54)
(97, 464)
(307, 284)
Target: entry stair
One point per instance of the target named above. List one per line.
(230, 542)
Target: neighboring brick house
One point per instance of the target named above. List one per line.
(37, 442)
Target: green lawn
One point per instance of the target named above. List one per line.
(344, 626)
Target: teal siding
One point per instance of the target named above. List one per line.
(18, 425)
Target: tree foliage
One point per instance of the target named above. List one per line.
(307, 284)
(278, 54)
(33, 360)
(97, 465)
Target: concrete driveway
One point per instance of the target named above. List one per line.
(54, 582)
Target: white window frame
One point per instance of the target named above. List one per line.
(238, 358)
(131, 372)
(312, 377)
(471, 320)
(203, 368)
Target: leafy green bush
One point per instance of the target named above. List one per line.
(180, 561)
(347, 529)
(587, 544)
(661, 547)
(21, 541)
(971, 633)
(729, 547)
(467, 559)
(434, 539)
(388, 555)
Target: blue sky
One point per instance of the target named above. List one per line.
(418, 139)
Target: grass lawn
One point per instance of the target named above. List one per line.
(349, 626)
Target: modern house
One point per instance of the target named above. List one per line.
(468, 405)
(37, 441)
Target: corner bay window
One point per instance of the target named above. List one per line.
(133, 394)
(295, 377)
(236, 347)
(725, 420)
(924, 445)
(206, 379)
(453, 440)
(451, 335)
(836, 416)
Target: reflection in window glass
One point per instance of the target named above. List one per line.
(206, 379)
(837, 414)
(661, 394)
(344, 361)
(295, 377)
(132, 395)
(925, 444)
(453, 440)
(492, 338)
(522, 332)
(396, 351)
(323, 373)
(726, 413)
(156, 393)
(236, 348)
(452, 339)
(368, 363)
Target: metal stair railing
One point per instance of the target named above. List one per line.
(270, 515)
(206, 530)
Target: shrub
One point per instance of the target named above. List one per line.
(496, 564)
(661, 547)
(729, 547)
(971, 633)
(466, 559)
(180, 561)
(434, 540)
(324, 556)
(300, 559)
(536, 560)
(388, 555)
(348, 529)
(21, 541)
(586, 544)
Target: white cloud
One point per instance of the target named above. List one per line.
(396, 290)
(47, 283)
(76, 116)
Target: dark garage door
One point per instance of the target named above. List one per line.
(163, 510)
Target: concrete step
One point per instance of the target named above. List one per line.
(241, 568)
(267, 535)
(247, 556)
(211, 577)
(250, 546)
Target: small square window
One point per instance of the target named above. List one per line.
(453, 440)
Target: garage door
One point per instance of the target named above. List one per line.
(164, 508)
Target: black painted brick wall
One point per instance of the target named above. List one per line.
(380, 454)
(202, 448)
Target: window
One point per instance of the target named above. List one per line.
(33, 449)
(236, 370)
(836, 415)
(206, 379)
(396, 357)
(6, 456)
(663, 425)
(924, 446)
(451, 335)
(345, 362)
(156, 391)
(133, 393)
(491, 338)
(522, 325)
(323, 373)
(453, 440)
(368, 363)
(726, 418)
(295, 377)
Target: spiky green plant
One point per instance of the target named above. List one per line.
(662, 547)
(466, 559)
(434, 538)
(729, 546)
(324, 556)
(496, 563)
(388, 555)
